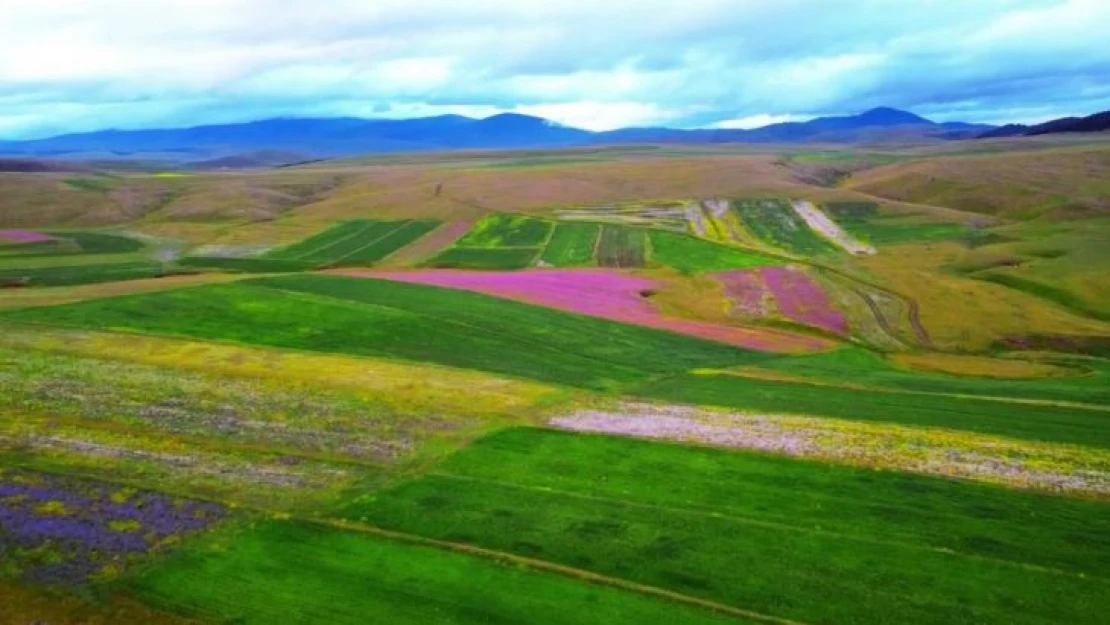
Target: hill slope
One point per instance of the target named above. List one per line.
(1092, 123)
(348, 136)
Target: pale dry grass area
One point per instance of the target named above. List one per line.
(963, 313)
(964, 455)
(980, 366)
(1063, 182)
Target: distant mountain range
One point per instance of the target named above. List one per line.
(286, 140)
(1092, 123)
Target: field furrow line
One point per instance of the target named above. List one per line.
(400, 228)
(552, 567)
(354, 234)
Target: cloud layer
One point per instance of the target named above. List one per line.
(72, 65)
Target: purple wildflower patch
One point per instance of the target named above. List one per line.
(64, 531)
(24, 236)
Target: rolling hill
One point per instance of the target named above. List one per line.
(237, 145)
(1092, 123)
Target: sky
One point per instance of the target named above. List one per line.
(79, 65)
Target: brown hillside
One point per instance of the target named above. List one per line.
(1062, 183)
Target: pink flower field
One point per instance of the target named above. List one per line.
(24, 236)
(797, 296)
(601, 293)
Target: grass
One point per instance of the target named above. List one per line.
(97, 184)
(622, 247)
(319, 241)
(50, 296)
(1061, 297)
(340, 250)
(1060, 424)
(360, 242)
(299, 573)
(26, 604)
(72, 243)
(391, 242)
(485, 258)
(777, 224)
(99, 242)
(498, 241)
(572, 245)
(1019, 185)
(788, 538)
(412, 322)
(691, 255)
(81, 274)
(863, 221)
(248, 265)
(382, 382)
(261, 427)
(969, 315)
(1089, 383)
(505, 230)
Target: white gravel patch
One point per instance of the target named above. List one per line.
(695, 218)
(717, 208)
(828, 228)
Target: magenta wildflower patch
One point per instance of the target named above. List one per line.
(24, 236)
(747, 292)
(598, 293)
(789, 291)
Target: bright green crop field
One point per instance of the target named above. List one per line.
(355, 243)
(888, 543)
(412, 322)
(691, 255)
(572, 245)
(297, 573)
(65, 275)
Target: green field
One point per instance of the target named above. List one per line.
(1052, 293)
(73, 243)
(572, 245)
(748, 530)
(622, 247)
(499, 241)
(66, 275)
(485, 258)
(505, 230)
(354, 243)
(776, 223)
(413, 322)
(691, 255)
(1089, 381)
(863, 221)
(299, 573)
(247, 265)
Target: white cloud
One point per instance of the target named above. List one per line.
(603, 115)
(758, 120)
(581, 62)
